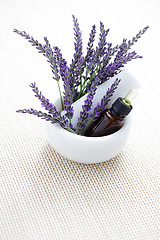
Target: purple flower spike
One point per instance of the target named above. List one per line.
(110, 69)
(68, 95)
(49, 106)
(77, 66)
(45, 49)
(51, 59)
(60, 61)
(84, 114)
(78, 39)
(106, 98)
(101, 48)
(90, 49)
(45, 116)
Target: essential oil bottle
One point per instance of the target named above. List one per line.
(111, 120)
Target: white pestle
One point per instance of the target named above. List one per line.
(128, 82)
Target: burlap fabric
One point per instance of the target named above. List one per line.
(45, 196)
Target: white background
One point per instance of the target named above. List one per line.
(21, 64)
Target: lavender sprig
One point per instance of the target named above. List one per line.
(47, 117)
(68, 95)
(51, 59)
(54, 59)
(84, 114)
(31, 40)
(106, 98)
(48, 53)
(90, 49)
(86, 62)
(125, 46)
(77, 66)
(49, 106)
(40, 114)
(105, 62)
(45, 49)
(101, 48)
(65, 74)
(78, 40)
(122, 57)
(95, 56)
(60, 61)
(138, 35)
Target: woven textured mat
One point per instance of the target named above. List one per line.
(45, 196)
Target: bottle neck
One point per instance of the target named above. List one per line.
(115, 115)
(120, 109)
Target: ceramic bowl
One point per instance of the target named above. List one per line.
(87, 149)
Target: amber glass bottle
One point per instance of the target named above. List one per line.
(111, 120)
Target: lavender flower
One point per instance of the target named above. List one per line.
(49, 106)
(77, 66)
(78, 40)
(103, 70)
(78, 71)
(125, 46)
(43, 115)
(45, 49)
(94, 56)
(87, 62)
(84, 114)
(68, 95)
(31, 40)
(90, 49)
(51, 59)
(60, 61)
(101, 48)
(122, 57)
(65, 74)
(48, 53)
(138, 35)
(106, 98)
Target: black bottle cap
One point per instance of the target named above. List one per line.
(120, 109)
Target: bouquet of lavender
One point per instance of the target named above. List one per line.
(82, 76)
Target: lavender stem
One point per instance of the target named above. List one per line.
(62, 104)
